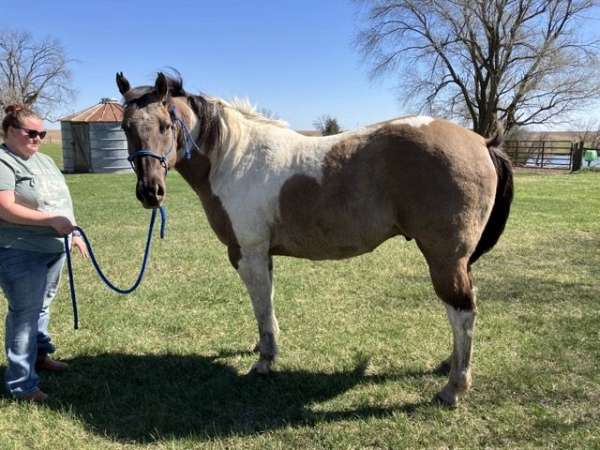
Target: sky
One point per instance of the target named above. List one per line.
(294, 58)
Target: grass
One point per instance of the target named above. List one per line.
(166, 367)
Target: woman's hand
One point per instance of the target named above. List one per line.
(62, 225)
(81, 247)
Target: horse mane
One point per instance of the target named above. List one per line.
(241, 105)
(248, 110)
(210, 115)
(209, 110)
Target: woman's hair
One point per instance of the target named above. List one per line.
(14, 114)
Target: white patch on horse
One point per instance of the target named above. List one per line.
(413, 121)
(242, 169)
(463, 323)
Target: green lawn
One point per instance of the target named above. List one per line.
(165, 368)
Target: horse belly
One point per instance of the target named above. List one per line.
(332, 235)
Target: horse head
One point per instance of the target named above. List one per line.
(153, 135)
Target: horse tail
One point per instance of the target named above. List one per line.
(504, 195)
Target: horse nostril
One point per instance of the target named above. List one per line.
(160, 191)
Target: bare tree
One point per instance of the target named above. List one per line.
(34, 73)
(517, 61)
(589, 132)
(327, 125)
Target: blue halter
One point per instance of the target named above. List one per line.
(188, 144)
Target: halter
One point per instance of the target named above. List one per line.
(188, 139)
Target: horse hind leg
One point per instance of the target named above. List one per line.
(255, 270)
(452, 283)
(444, 367)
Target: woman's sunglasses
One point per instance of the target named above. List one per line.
(32, 134)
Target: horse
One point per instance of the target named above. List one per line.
(270, 191)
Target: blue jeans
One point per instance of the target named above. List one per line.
(29, 281)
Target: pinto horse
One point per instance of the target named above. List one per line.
(268, 190)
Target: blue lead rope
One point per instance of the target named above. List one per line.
(163, 223)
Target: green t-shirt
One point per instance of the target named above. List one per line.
(39, 185)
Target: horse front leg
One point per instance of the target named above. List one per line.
(255, 269)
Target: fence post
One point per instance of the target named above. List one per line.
(543, 151)
(576, 156)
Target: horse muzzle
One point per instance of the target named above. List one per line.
(150, 195)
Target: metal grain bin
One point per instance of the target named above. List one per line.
(93, 140)
(108, 146)
(67, 147)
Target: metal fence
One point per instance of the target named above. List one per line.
(536, 154)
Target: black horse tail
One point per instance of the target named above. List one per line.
(504, 195)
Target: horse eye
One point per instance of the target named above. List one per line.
(163, 127)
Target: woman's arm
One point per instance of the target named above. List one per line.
(19, 214)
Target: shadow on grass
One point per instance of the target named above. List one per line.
(149, 397)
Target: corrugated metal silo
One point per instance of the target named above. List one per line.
(93, 140)
(67, 147)
(108, 146)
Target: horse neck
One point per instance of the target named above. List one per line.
(247, 138)
(246, 143)
(234, 138)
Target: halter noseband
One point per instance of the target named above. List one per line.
(188, 144)
(143, 152)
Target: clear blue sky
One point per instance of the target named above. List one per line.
(292, 57)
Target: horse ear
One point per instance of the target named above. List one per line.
(122, 83)
(161, 86)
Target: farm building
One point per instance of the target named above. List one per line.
(93, 140)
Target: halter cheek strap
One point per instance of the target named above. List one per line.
(188, 143)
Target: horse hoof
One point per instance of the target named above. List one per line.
(261, 368)
(442, 399)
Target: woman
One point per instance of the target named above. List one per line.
(36, 212)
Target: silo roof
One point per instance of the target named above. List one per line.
(108, 110)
